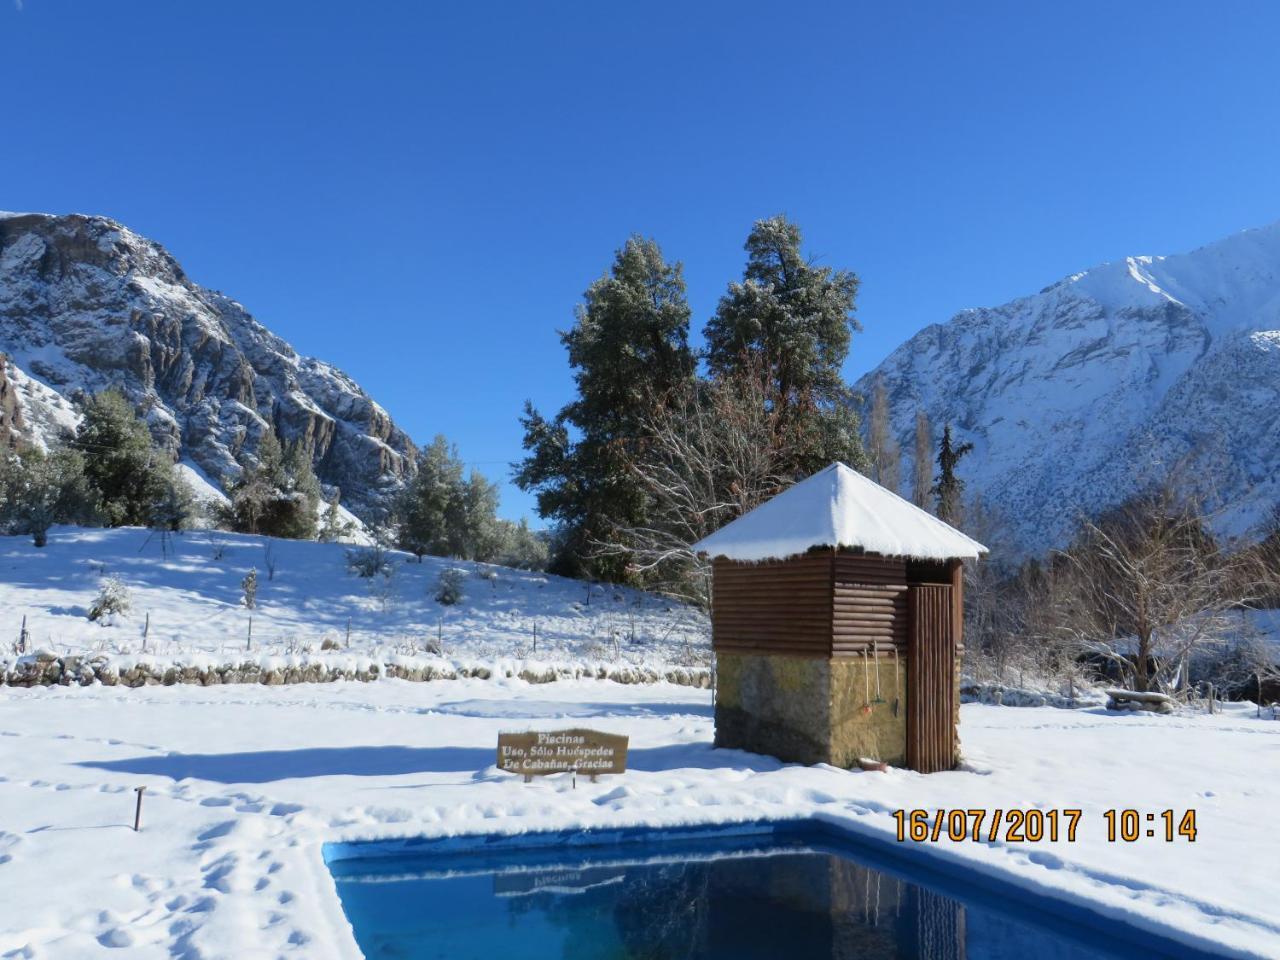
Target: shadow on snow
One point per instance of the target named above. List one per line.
(267, 766)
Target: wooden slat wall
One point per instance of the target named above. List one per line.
(864, 568)
(842, 605)
(869, 612)
(931, 679)
(778, 607)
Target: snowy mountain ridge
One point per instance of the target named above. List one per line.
(86, 303)
(1080, 395)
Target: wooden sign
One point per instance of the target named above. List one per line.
(588, 752)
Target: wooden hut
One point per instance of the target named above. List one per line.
(837, 623)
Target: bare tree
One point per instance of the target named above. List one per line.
(1146, 585)
(922, 465)
(716, 450)
(886, 459)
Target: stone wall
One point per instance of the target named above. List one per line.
(811, 710)
(860, 726)
(44, 669)
(776, 705)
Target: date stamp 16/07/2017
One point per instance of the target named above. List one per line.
(1034, 825)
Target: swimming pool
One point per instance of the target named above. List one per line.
(800, 890)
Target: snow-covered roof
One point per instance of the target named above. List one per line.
(838, 507)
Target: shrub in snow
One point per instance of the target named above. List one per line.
(113, 597)
(449, 586)
(334, 528)
(250, 586)
(372, 561)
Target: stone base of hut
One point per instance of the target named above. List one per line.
(812, 709)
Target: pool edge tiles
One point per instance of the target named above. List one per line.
(571, 837)
(1049, 908)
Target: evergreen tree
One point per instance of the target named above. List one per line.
(480, 536)
(174, 508)
(121, 464)
(921, 473)
(883, 452)
(793, 321)
(949, 488)
(628, 347)
(278, 495)
(442, 514)
(522, 547)
(427, 510)
(300, 503)
(794, 317)
(333, 528)
(38, 490)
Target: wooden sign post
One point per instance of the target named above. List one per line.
(537, 753)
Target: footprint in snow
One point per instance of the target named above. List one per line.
(116, 937)
(217, 830)
(1047, 860)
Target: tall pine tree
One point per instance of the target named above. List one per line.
(628, 346)
(949, 488)
(794, 320)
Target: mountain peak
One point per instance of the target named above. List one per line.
(1079, 395)
(86, 303)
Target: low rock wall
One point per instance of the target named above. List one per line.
(46, 669)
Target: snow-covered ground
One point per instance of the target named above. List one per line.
(245, 784)
(190, 586)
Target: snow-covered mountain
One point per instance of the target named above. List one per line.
(1085, 392)
(86, 303)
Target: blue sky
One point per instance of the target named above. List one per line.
(420, 192)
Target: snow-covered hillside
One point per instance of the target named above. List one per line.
(1078, 395)
(191, 589)
(86, 303)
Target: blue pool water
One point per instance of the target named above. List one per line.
(798, 891)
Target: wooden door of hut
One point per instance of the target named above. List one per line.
(931, 678)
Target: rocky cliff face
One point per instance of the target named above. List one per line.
(11, 425)
(1093, 388)
(85, 304)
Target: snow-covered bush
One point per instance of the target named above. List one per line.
(250, 587)
(113, 598)
(449, 586)
(371, 561)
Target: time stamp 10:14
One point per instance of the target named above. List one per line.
(1033, 825)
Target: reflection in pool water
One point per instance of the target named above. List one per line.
(771, 895)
